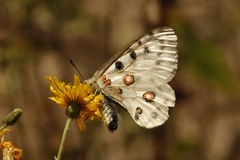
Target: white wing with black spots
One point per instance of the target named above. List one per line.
(156, 51)
(136, 78)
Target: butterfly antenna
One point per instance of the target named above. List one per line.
(76, 69)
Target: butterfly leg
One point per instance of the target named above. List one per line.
(110, 115)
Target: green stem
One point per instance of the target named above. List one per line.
(67, 127)
(3, 126)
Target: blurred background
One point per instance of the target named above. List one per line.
(37, 38)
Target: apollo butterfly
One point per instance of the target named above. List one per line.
(137, 77)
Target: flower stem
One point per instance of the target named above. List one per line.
(67, 127)
(3, 126)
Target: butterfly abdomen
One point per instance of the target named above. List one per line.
(110, 116)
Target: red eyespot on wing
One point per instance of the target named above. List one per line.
(128, 79)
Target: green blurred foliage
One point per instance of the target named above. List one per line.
(207, 62)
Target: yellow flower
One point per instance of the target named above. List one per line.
(78, 99)
(10, 151)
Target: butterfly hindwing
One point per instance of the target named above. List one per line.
(147, 104)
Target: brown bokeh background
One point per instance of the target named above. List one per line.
(37, 38)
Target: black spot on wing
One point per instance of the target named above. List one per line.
(133, 55)
(146, 50)
(151, 33)
(119, 65)
(154, 115)
(139, 42)
(158, 62)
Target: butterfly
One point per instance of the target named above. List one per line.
(137, 77)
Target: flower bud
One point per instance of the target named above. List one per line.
(13, 117)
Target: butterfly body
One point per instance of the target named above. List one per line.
(136, 79)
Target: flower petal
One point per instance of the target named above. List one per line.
(78, 94)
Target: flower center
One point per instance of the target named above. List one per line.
(73, 110)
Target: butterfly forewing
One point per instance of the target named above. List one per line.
(136, 78)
